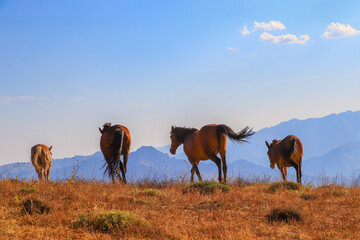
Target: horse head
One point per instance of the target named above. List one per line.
(175, 142)
(271, 153)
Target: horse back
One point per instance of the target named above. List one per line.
(204, 142)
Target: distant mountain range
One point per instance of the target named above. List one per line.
(331, 147)
(146, 162)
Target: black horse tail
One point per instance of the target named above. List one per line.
(292, 149)
(239, 137)
(115, 165)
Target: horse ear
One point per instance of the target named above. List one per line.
(101, 131)
(50, 148)
(267, 144)
(172, 128)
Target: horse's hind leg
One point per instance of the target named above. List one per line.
(47, 173)
(224, 166)
(40, 174)
(126, 157)
(217, 161)
(122, 172)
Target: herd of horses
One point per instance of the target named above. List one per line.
(204, 144)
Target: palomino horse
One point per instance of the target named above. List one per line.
(115, 141)
(286, 153)
(41, 158)
(205, 144)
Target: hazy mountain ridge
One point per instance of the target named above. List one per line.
(331, 146)
(144, 162)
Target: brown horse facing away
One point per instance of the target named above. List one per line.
(286, 153)
(205, 144)
(41, 158)
(114, 142)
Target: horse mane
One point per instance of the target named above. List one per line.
(106, 126)
(182, 132)
(274, 142)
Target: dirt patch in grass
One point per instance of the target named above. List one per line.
(283, 215)
(206, 187)
(284, 185)
(32, 206)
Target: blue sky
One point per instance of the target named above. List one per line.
(66, 67)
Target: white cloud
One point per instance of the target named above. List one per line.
(270, 26)
(233, 49)
(338, 30)
(245, 31)
(284, 39)
(8, 100)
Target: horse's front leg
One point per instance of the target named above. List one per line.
(283, 172)
(192, 173)
(298, 173)
(198, 172)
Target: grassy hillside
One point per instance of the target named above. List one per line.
(90, 210)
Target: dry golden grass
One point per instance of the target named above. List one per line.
(171, 214)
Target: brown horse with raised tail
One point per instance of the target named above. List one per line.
(205, 144)
(114, 142)
(286, 153)
(41, 158)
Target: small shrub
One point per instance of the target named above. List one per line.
(308, 196)
(145, 201)
(34, 206)
(28, 190)
(338, 193)
(108, 221)
(150, 192)
(283, 215)
(205, 187)
(284, 185)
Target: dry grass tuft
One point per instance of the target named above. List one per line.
(238, 214)
(284, 185)
(308, 196)
(206, 187)
(28, 190)
(149, 192)
(32, 206)
(283, 215)
(109, 221)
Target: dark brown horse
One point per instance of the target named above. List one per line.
(115, 141)
(41, 158)
(205, 144)
(286, 153)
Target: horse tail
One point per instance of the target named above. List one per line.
(292, 149)
(288, 154)
(35, 155)
(114, 166)
(239, 137)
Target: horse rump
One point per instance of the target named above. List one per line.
(114, 167)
